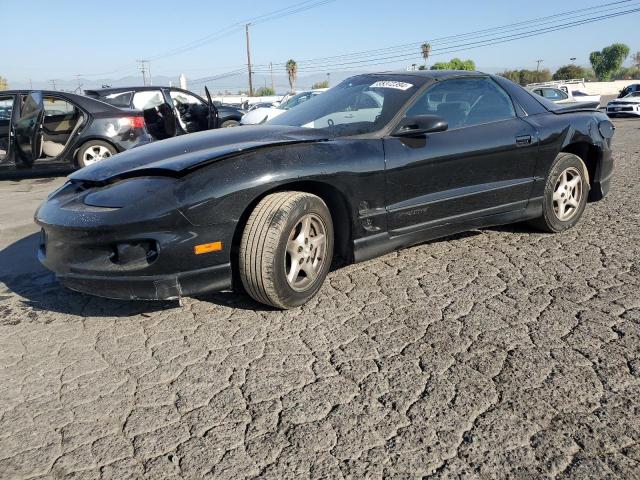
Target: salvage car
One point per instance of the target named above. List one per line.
(51, 130)
(171, 111)
(261, 115)
(626, 106)
(269, 208)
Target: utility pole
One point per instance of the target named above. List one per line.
(538, 62)
(79, 89)
(53, 84)
(273, 85)
(30, 85)
(246, 29)
(143, 69)
(328, 79)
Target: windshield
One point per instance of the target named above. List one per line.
(359, 105)
(297, 100)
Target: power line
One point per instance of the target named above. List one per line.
(237, 27)
(458, 47)
(333, 60)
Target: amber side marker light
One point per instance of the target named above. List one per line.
(207, 248)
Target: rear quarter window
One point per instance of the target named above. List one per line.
(120, 99)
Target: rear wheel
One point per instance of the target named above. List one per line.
(229, 123)
(565, 194)
(93, 151)
(286, 249)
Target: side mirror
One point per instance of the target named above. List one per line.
(419, 125)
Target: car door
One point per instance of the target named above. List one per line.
(192, 113)
(6, 109)
(27, 120)
(482, 164)
(214, 117)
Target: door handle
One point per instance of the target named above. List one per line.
(523, 140)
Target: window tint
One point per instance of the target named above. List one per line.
(119, 99)
(55, 106)
(464, 102)
(147, 99)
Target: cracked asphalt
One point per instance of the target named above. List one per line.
(500, 353)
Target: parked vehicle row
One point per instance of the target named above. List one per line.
(44, 130)
(262, 114)
(41, 130)
(379, 162)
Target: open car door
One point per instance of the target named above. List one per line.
(27, 130)
(213, 111)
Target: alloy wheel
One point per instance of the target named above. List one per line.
(94, 154)
(306, 252)
(567, 194)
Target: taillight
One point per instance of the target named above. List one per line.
(131, 122)
(137, 122)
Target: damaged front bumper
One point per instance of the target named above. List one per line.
(142, 250)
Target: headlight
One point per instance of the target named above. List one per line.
(129, 191)
(606, 128)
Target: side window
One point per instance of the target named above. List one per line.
(119, 99)
(55, 106)
(147, 99)
(465, 102)
(554, 94)
(6, 106)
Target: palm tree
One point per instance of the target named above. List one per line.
(292, 72)
(4, 85)
(426, 50)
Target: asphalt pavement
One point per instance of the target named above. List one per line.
(499, 353)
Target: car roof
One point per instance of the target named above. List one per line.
(435, 74)
(88, 103)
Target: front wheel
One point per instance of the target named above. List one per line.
(229, 123)
(286, 249)
(565, 194)
(93, 151)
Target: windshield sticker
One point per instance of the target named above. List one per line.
(391, 84)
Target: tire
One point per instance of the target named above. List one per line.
(229, 123)
(565, 194)
(277, 242)
(96, 150)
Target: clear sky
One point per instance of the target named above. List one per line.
(59, 39)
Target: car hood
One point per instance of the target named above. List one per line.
(260, 115)
(179, 155)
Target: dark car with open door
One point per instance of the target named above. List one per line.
(170, 111)
(50, 130)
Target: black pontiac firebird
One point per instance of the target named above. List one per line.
(379, 162)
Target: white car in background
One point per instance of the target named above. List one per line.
(627, 105)
(261, 115)
(563, 91)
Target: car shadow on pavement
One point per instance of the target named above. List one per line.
(23, 275)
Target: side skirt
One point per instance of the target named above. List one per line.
(383, 243)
